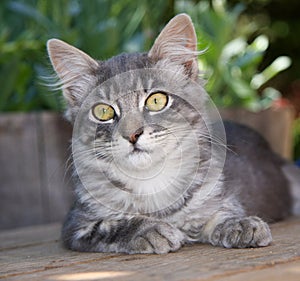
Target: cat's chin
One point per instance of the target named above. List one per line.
(140, 159)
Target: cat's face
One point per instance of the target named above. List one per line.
(138, 119)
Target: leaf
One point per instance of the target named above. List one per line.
(31, 12)
(8, 77)
(231, 49)
(278, 65)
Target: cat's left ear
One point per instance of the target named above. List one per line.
(177, 42)
(75, 69)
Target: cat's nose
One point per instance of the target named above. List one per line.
(135, 136)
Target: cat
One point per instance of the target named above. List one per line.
(153, 170)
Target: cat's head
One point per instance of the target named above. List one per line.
(79, 74)
(138, 114)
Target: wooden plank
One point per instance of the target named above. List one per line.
(56, 180)
(49, 261)
(35, 187)
(287, 271)
(20, 194)
(24, 236)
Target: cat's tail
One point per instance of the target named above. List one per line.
(292, 172)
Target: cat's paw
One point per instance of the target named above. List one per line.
(158, 238)
(242, 233)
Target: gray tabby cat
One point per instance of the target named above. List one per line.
(142, 152)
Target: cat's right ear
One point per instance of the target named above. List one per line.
(177, 43)
(75, 69)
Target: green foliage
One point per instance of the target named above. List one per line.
(231, 61)
(104, 28)
(101, 28)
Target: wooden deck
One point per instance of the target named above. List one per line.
(35, 253)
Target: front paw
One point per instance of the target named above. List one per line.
(158, 238)
(242, 233)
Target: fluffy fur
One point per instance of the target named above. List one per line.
(178, 182)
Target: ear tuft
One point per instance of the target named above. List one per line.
(74, 68)
(177, 42)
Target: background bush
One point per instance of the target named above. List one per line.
(104, 28)
(101, 28)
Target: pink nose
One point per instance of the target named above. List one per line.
(134, 137)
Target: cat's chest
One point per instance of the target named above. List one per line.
(153, 190)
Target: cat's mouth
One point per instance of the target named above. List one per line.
(138, 150)
(139, 158)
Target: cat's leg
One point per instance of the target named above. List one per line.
(237, 232)
(134, 235)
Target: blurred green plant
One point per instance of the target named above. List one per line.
(101, 28)
(231, 61)
(104, 28)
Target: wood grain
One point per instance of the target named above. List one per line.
(34, 186)
(289, 271)
(20, 190)
(47, 260)
(56, 178)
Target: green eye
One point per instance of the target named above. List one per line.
(103, 112)
(157, 102)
